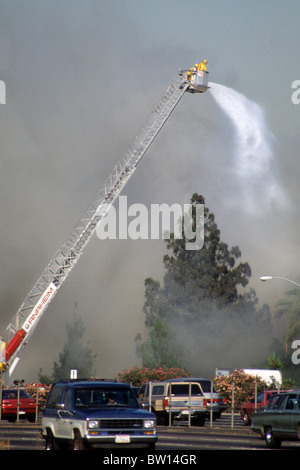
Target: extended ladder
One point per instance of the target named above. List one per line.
(26, 318)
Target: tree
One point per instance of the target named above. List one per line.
(76, 355)
(274, 362)
(289, 308)
(201, 298)
(204, 280)
(158, 351)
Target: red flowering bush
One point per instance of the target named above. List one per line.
(244, 387)
(137, 376)
(42, 391)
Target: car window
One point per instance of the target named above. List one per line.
(68, 399)
(291, 402)
(185, 390)
(280, 403)
(13, 394)
(97, 397)
(272, 401)
(206, 386)
(260, 397)
(157, 390)
(55, 396)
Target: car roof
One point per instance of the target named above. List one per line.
(189, 379)
(91, 383)
(166, 382)
(13, 389)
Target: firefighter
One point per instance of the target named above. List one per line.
(202, 65)
(191, 70)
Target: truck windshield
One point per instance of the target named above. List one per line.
(95, 397)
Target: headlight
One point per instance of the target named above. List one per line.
(93, 424)
(149, 423)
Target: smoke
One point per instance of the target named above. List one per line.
(254, 163)
(219, 342)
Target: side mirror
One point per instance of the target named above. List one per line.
(60, 406)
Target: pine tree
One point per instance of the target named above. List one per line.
(202, 293)
(76, 353)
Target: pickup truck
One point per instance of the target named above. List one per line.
(82, 414)
(280, 421)
(173, 401)
(212, 399)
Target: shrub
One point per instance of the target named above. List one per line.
(137, 376)
(244, 387)
(42, 391)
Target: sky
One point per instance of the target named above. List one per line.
(81, 78)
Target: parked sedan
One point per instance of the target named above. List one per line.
(280, 421)
(223, 404)
(9, 408)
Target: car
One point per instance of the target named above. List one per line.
(141, 391)
(175, 401)
(82, 414)
(248, 408)
(136, 391)
(210, 393)
(223, 404)
(280, 421)
(10, 410)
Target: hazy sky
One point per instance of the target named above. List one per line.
(81, 78)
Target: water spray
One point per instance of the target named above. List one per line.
(253, 161)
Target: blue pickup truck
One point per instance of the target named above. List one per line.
(81, 414)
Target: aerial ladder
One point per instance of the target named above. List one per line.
(23, 323)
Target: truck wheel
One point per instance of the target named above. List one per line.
(77, 443)
(198, 421)
(51, 443)
(272, 442)
(298, 431)
(246, 419)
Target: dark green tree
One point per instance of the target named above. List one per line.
(202, 293)
(158, 351)
(204, 280)
(76, 354)
(288, 308)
